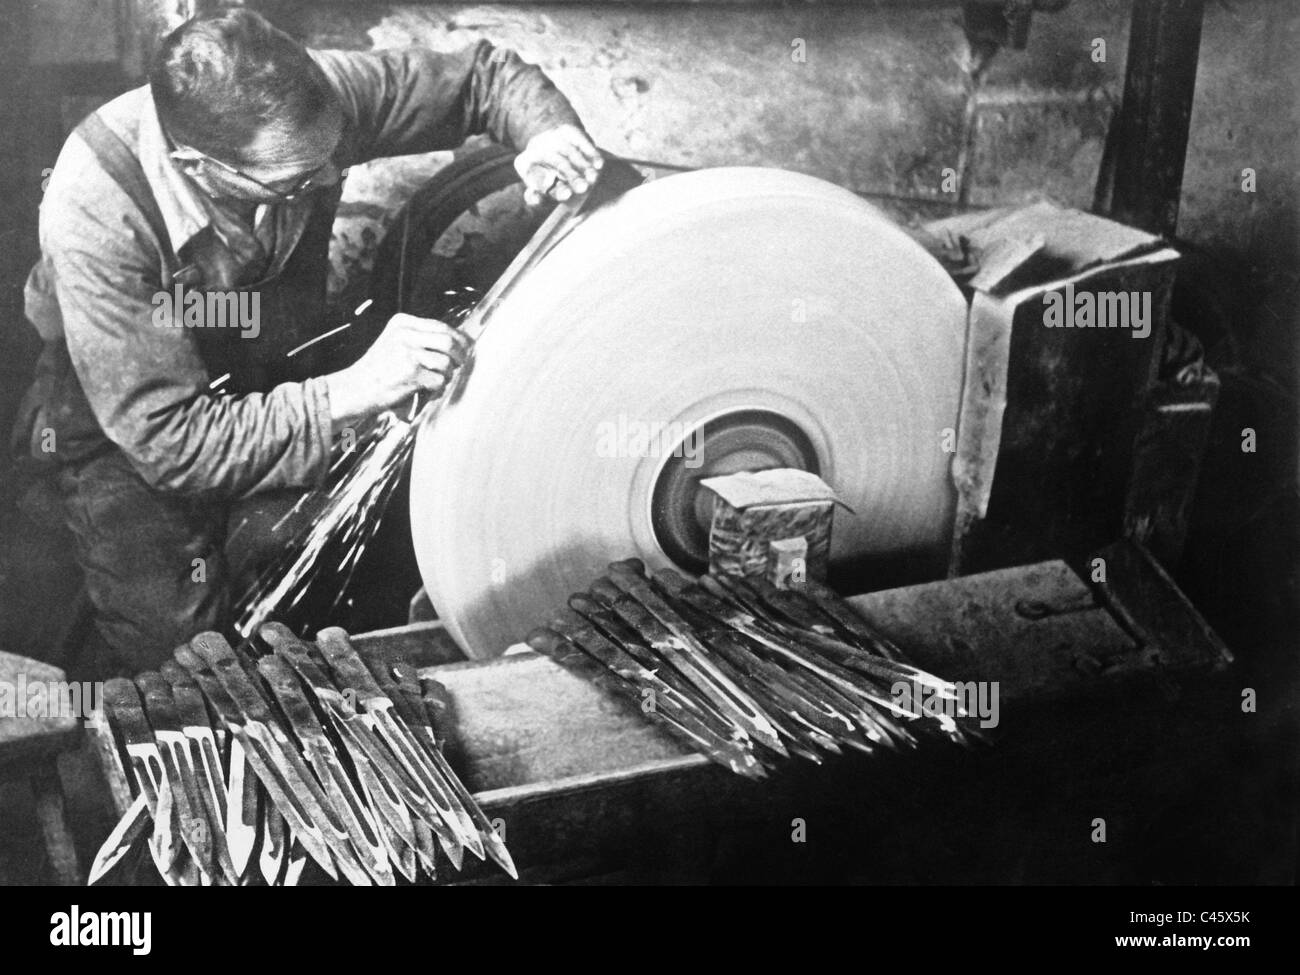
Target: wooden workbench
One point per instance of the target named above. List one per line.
(1104, 712)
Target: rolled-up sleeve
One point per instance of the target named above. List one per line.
(413, 100)
(147, 385)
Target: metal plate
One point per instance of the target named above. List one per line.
(687, 299)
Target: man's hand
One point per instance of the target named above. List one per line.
(411, 355)
(558, 163)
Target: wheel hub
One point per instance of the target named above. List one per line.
(747, 440)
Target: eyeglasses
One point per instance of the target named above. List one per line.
(190, 157)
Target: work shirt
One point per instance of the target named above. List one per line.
(113, 376)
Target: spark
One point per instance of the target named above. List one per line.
(355, 498)
(218, 381)
(363, 306)
(318, 338)
(345, 512)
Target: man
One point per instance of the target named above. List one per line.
(220, 178)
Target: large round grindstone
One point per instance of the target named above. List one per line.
(781, 311)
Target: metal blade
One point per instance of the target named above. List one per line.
(493, 844)
(822, 723)
(274, 845)
(361, 827)
(289, 791)
(388, 786)
(407, 682)
(351, 809)
(128, 831)
(401, 854)
(203, 760)
(310, 807)
(126, 716)
(638, 587)
(197, 833)
(352, 672)
(405, 711)
(295, 864)
(184, 873)
(241, 809)
(382, 796)
(393, 773)
(426, 850)
(211, 793)
(403, 747)
(237, 825)
(164, 841)
(281, 796)
(673, 707)
(740, 712)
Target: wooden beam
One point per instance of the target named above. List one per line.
(1143, 182)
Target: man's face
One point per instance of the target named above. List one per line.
(276, 163)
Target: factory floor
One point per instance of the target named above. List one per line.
(1193, 789)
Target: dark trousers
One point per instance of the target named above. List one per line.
(161, 568)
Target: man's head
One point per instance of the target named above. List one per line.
(233, 87)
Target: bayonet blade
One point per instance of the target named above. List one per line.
(128, 831)
(197, 832)
(390, 788)
(453, 832)
(271, 858)
(235, 811)
(295, 863)
(357, 819)
(261, 726)
(422, 702)
(204, 761)
(251, 737)
(241, 808)
(126, 715)
(405, 711)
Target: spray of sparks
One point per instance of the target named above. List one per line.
(323, 554)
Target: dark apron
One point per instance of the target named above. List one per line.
(293, 307)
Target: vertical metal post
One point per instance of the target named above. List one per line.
(1149, 135)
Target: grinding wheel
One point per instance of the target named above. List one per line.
(769, 318)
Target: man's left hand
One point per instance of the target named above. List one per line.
(558, 163)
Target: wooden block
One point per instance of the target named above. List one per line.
(523, 719)
(25, 738)
(48, 789)
(982, 627)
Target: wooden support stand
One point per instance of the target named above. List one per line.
(30, 748)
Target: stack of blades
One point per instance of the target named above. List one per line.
(746, 673)
(246, 768)
(687, 301)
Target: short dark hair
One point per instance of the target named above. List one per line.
(219, 78)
